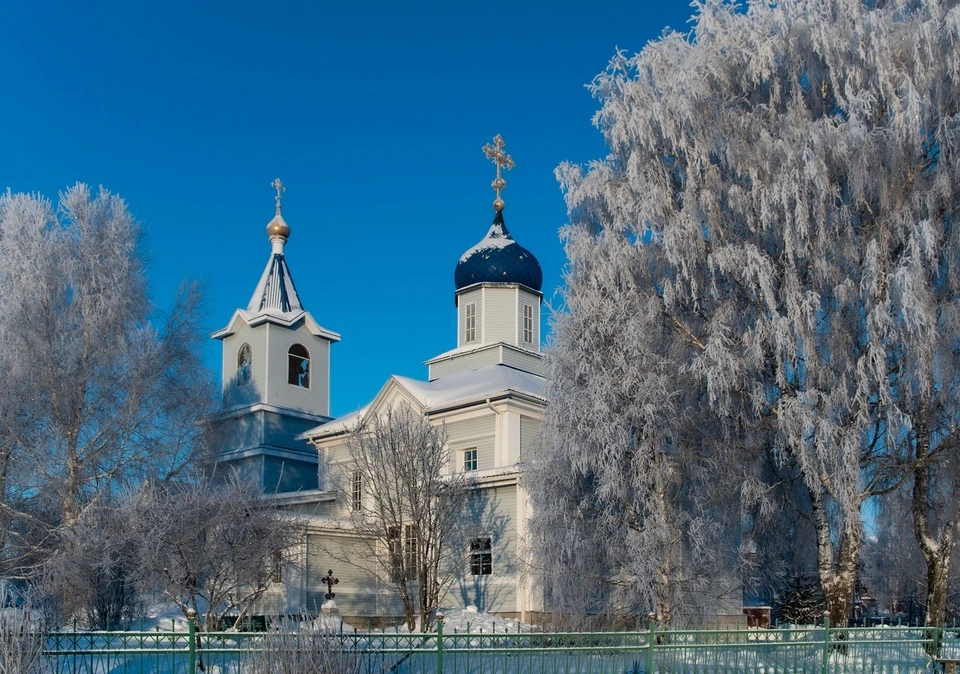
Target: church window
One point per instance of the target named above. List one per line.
(356, 491)
(403, 552)
(470, 323)
(276, 572)
(298, 366)
(528, 324)
(244, 362)
(470, 459)
(481, 556)
(411, 539)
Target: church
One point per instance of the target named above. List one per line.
(487, 392)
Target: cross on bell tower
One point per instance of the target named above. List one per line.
(277, 185)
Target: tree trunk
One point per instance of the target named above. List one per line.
(936, 546)
(836, 566)
(664, 575)
(938, 577)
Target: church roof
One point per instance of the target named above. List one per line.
(497, 258)
(275, 293)
(275, 299)
(469, 386)
(455, 390)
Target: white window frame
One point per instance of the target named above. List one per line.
(244, 367)
(527, 324)
(478, 554)
(470, 322)
(411, 551)
(298, 375)
(403, 549)
(356, 491)
(470, 459)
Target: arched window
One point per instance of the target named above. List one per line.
(298, 366)
(244, 364)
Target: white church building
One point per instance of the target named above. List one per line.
(487, 392)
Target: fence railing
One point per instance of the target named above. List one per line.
(802, 650)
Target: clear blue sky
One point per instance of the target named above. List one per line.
(373, 114)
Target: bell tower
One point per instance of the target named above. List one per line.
(275, 378)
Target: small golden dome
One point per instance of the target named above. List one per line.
(278, 227)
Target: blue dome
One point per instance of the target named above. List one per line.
(498, 259)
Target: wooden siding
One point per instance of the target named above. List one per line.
(470, 297)
(500, 315)
(529, 431)
(522, 361)
(285, 475)
(491, 512)
(526, 299)
(359, 592)
(314, 399)
(250, 468)
(280, 430)
(244, 431)
(468, 361)
(253, 391)
(480, 433)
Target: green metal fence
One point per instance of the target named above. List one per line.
(807, 650)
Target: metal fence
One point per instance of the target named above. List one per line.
(805, 650)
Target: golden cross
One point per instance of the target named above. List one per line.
(503, 161)
(276, 184)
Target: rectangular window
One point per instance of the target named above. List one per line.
(481, 556)
(396, 556)
(410, 541)
(356, 491)
(527, 324)
(276, 572)
(470, 459)
(403, 553)
(470, 323)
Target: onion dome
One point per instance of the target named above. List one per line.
(497, 258)
(278, 227)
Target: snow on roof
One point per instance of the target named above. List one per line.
(493, 240)
(471, 348)
(454, 389)
(473, 384)
(275, 293)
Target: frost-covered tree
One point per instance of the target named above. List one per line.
(98, 391)
(90, 575)
(773, 227)
(211, 546)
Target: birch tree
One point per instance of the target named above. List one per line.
(778, 208)
(99, 390)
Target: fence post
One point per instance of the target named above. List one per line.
(651, 640)
(439, 643)
(192, 641)
(826, 641)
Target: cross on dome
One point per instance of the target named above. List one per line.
(503, 161)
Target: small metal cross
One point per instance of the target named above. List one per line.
(330, 581)
(276, 184)
(503, 161)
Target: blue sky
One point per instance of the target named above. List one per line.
(373, 115)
